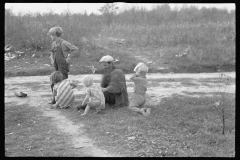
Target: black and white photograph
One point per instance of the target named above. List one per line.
(119, 79)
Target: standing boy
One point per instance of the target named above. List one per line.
(60, 53)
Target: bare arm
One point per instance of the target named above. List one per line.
(87, 96)
(51, 56)
(73, 85)
(85, 99)
(135, 78)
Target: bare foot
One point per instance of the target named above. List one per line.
(142, 111)
(83, 114)
(54, 106)
(148, 112)
(145, 109)
(97, 111)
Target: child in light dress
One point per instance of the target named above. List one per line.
(62, 90)
(94, 96)
(138, 98)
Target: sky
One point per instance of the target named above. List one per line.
(93, 7)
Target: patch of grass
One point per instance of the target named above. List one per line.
(28, 66)
(180, 127)
(28, 134)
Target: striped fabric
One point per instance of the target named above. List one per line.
(65, 96)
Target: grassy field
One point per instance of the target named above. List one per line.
(180, 126)
(29, 134)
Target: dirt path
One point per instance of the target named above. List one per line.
(160, 85)
(76, 133)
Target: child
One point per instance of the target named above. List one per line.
(62, 90)
(94, 95)
(60, 52)
(138, 98)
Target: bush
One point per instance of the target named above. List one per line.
(208, 35)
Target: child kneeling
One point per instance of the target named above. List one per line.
(138, 98)
(62, 90)
(94, 96)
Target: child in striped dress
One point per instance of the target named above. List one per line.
(94, 96)
(138, 98)
(62, 90)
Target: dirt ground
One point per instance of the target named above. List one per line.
(160, 86)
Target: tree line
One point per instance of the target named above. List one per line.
(30, 30)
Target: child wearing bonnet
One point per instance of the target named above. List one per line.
(138, 98)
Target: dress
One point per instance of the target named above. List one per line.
(65, 96)
(96, 97)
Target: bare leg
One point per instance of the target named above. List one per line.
(133, 108)
(55, 106)
(86, 111)
(97, 111)
(53, 100)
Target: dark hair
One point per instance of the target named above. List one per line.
(56, 77)
(59, 32)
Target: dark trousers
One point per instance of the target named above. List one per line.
(60, 63)
(110, 98)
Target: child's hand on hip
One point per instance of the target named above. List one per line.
(68, 59)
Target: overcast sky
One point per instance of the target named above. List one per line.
(93, 7)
